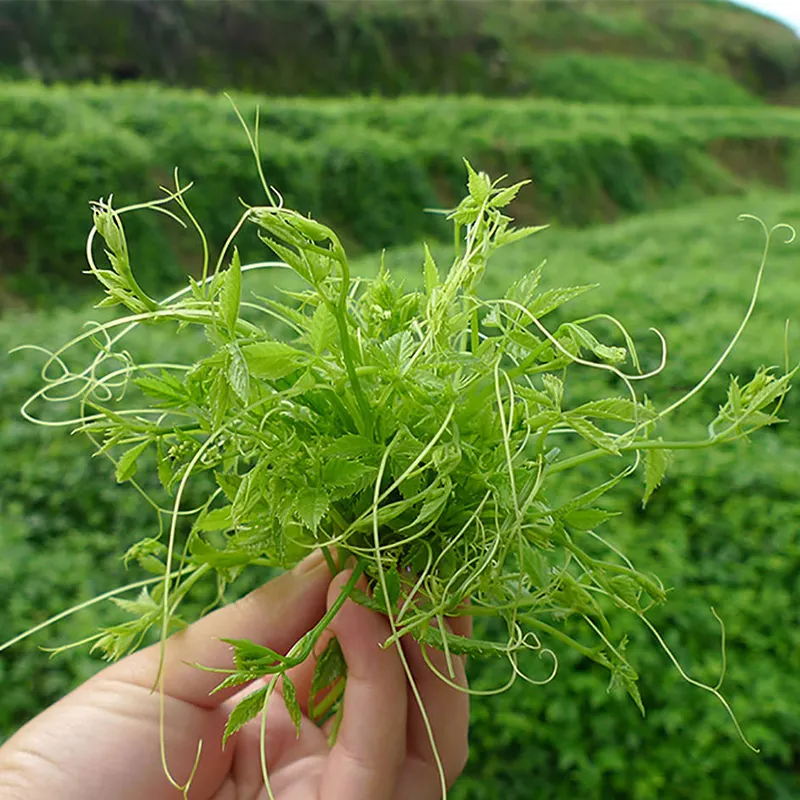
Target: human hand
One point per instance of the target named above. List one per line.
(102, 741)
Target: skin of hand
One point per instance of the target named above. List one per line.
(102, 740)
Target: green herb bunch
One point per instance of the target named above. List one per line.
(414, 433)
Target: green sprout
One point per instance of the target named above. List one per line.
(416, 433)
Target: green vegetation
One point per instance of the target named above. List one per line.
(367, 167)
(719, 533)
(582, 78)
(393, 47)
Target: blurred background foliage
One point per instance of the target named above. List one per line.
(647, 127)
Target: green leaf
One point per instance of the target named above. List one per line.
(431, 273)
(164, 465)
(627, 589)
(142, 606)
(503, 197)
(246, 710)
(323, 331)
(297, 262)
(521, 291)
(586, 340)
(273, 360)
(432, 507)
(126, 466)
(478, 183)
(219, 519)
(231, 293)
(587, 519)
(312, 505)
(350, 446)
(341, 472)
(290, 700)
(329, 668)
(554, 387)
(166, 388)
(656, 462)
(248, 655)
(238, 374)
(592, 433)
(550, 300)
(615, 408)
(392, 577)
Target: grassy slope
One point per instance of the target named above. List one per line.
(317, 48)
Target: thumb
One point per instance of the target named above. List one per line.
(276, 615)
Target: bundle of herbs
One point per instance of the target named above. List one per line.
(414, 433)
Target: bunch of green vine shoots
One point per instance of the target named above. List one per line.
(413, 433)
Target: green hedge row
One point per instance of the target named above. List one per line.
(722, 530)
(370, 167)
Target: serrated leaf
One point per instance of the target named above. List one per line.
(554, 387)
(246, 710)
(513, 235)
(312, 505)
(219, 519)
(656, 462)
(342, 472)
(592, 433)
(165, 388)
(478, 183)
(329, 668)
(585, 339)
(273, 360)
(432, 507)
(230, 295)
(323, 330)
(292, 705)
(164, 465)
(430, 271)
(587, 519)
(126, 466)
(141, 606)
(550, 300)
(238, 374)
(502, 198)
(615, 408)
(248, 655)
(521, 291)
(350, 446)
(591, 495)
(399, 348)
(288, 256)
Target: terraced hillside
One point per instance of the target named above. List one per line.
(496, 47)
(369, 166)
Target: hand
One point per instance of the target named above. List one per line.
(102, 741)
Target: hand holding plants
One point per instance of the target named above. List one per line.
(102, 740)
